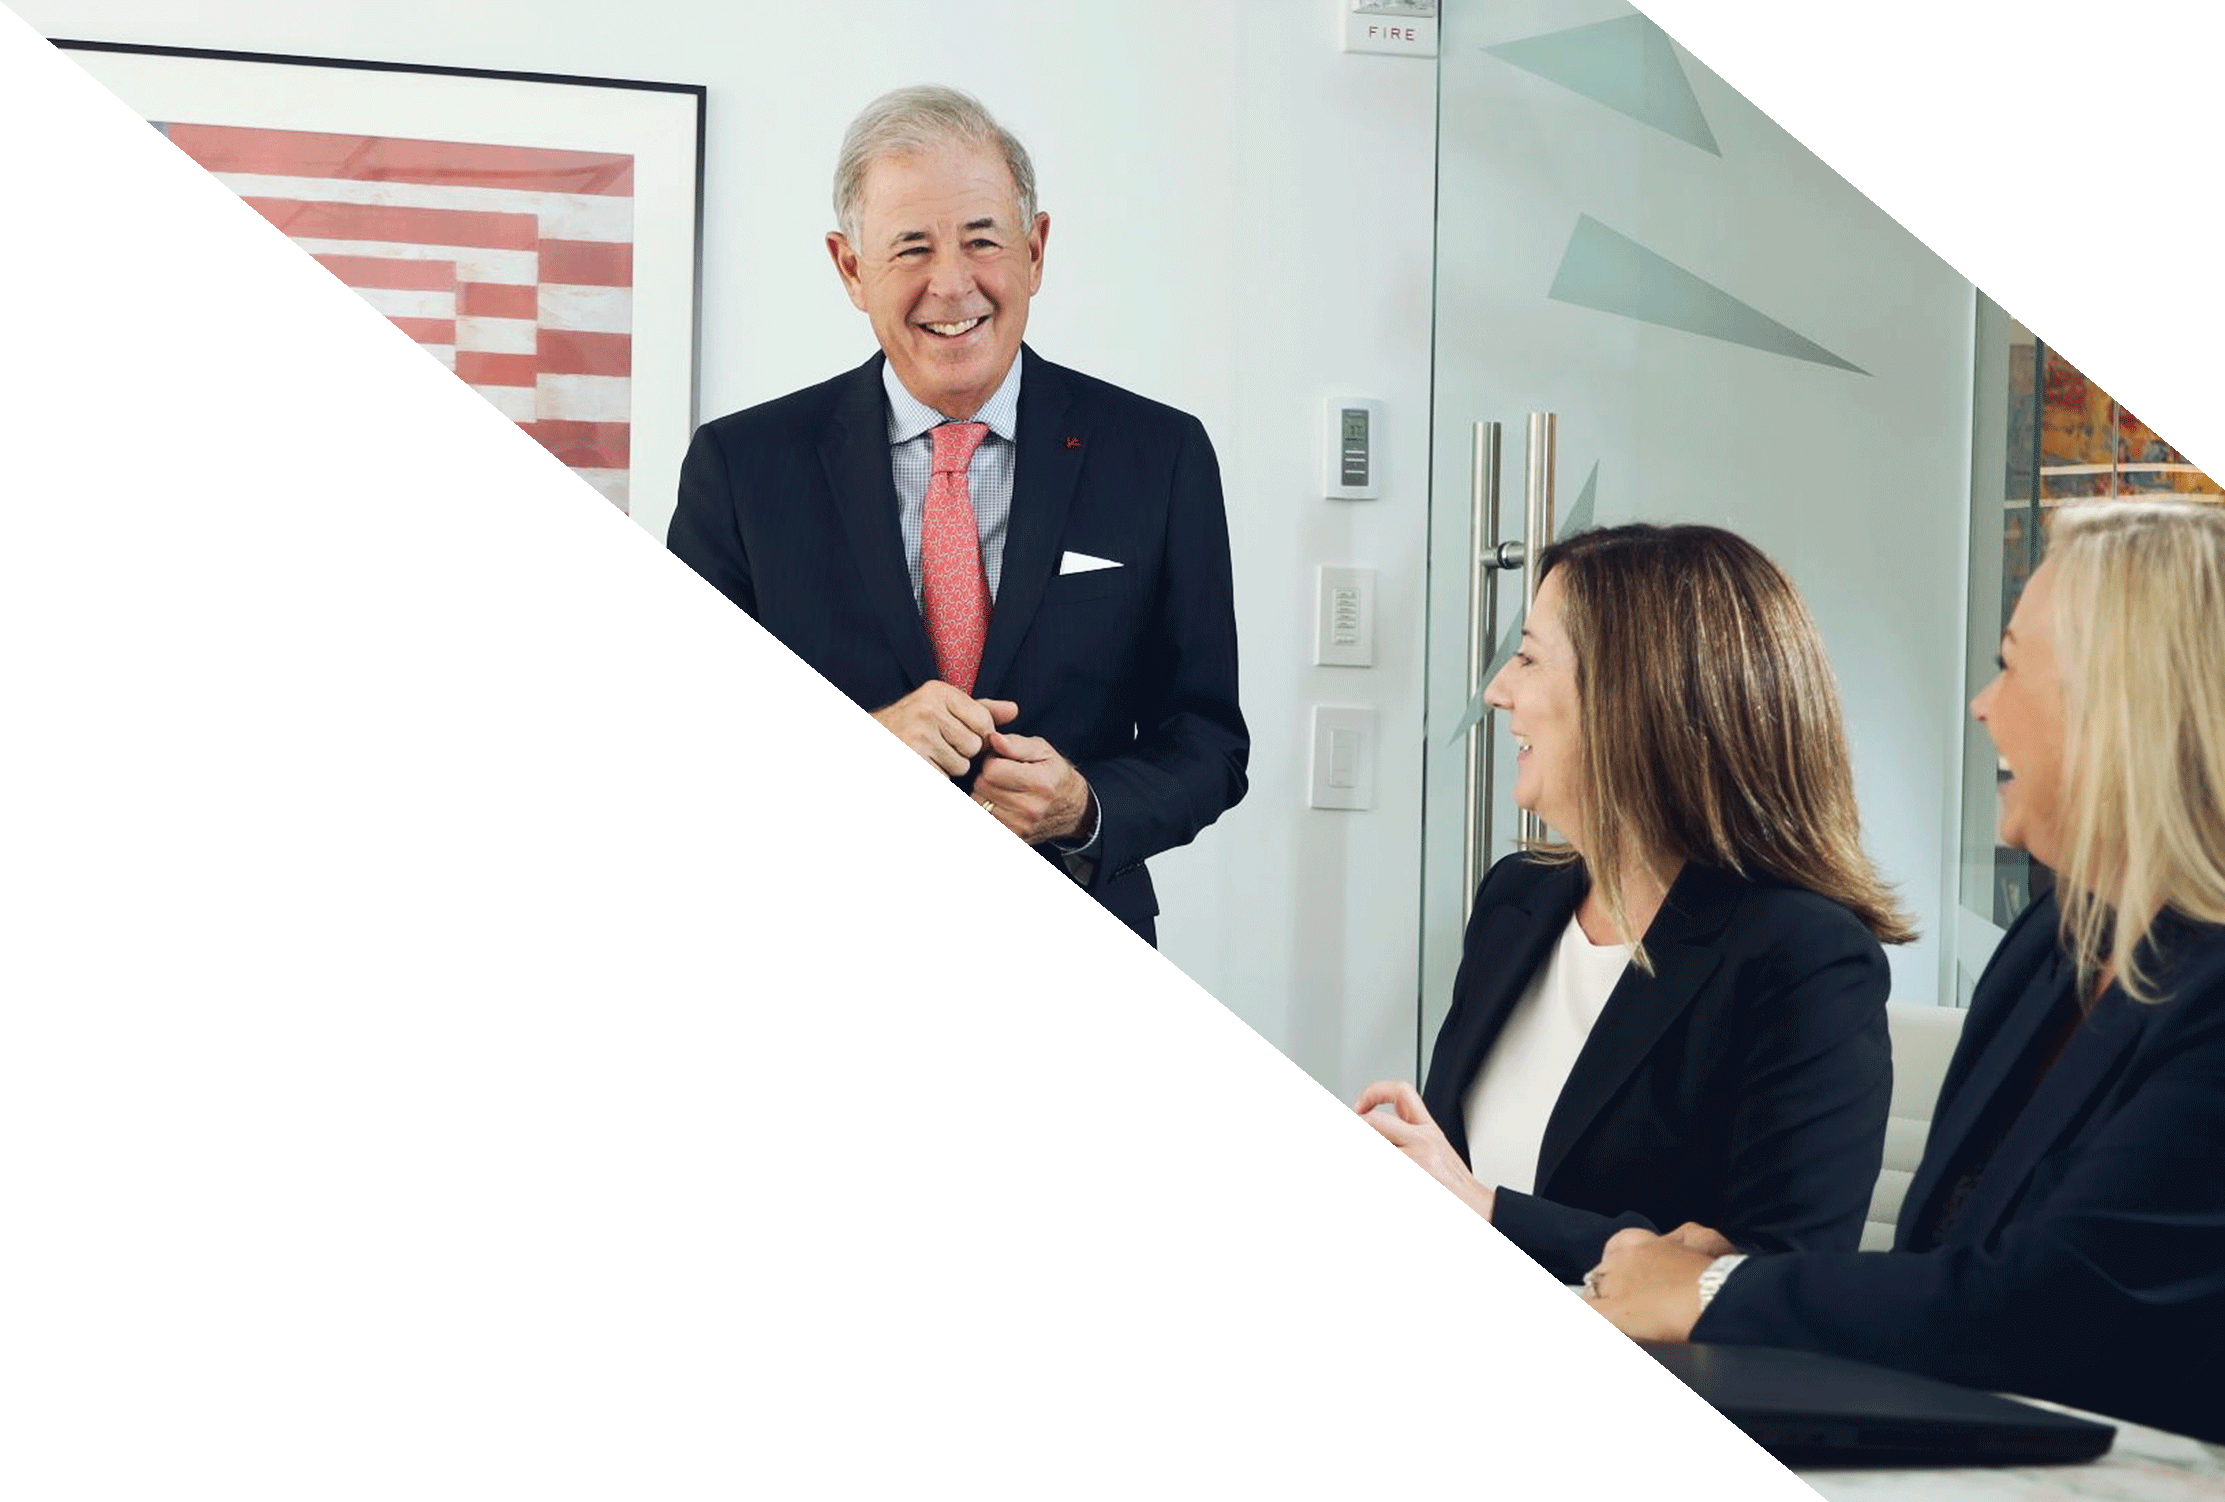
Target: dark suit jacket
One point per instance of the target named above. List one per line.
(789, 509)
(2088, 1263)
(1743, 1085)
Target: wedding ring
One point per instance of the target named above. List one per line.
(1591, 1284)
(985, 803)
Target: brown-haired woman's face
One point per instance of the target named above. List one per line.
(1537, 693)
(2022, 709)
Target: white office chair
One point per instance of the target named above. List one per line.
(1923, 1041)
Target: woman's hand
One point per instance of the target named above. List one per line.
(1407, 1124)
(1703, 1239)
(1648, 1286)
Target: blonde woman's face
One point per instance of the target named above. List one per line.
(2022, 709)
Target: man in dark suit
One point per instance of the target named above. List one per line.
(1021, 572)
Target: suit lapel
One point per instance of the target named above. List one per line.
(2089, 1062)
(1641, 1007)
(1500, 955)
(2020, 974)
(2090, 1065)
(854, 452)
(1047, 463)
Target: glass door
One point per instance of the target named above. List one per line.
(1723, 331)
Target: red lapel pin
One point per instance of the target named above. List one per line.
(1073, 443)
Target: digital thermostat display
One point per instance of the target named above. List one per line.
(1351, 428)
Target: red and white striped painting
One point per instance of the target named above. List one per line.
(511, 265)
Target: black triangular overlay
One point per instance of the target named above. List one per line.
(2063, 170)
(628, 1004)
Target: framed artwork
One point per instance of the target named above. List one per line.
(539, 235)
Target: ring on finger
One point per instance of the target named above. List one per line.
(1591, 1284)
(985, 803)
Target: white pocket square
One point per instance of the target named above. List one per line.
(1082, 563)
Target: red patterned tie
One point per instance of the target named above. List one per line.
(954, 592)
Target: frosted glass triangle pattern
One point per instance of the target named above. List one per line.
(1613, 273)
(1579, 515)
(1628, 64)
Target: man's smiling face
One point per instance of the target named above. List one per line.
(944, 268)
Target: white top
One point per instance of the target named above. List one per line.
(1512, 1096)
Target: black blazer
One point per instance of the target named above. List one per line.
(789, 510)
(2088, 1263)
(1743, 1085)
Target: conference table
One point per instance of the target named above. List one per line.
(2143, 1465)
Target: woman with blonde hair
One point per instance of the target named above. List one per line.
(2064, 1235)
(1677, 1011)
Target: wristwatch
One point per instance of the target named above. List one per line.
(1712, 1276)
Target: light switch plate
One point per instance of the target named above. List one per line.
(1343, 756)
(1344, 627)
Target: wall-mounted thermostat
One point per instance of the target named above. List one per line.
(1355, 444)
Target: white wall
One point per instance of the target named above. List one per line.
(1241, 225)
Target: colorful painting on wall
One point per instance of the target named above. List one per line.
(538, 235)
(512, 266)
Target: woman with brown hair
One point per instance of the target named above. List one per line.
(2064, 1234)
(1677, 1011)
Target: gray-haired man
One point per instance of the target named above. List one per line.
(1020, 571)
